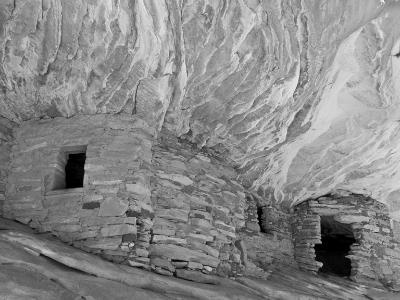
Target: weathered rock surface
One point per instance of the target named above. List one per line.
(303, 96)
(39, 266)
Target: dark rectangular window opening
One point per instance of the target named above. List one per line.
(69, 170)
(75, 170)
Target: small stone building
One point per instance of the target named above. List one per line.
(109, 185)
(348, 236)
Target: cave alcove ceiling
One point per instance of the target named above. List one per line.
(301, 96)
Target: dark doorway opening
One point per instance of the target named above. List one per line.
(74, 170)
(336, 241)
(261, 218)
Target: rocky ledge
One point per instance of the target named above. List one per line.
(37, 266)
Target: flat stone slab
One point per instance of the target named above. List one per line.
(121, 229)
(113, 207)
(180, 253)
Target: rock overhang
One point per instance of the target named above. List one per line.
(301, 97)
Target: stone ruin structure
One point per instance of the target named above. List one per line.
(159, 204)
(349, 235)
(106, 184)
(197, 138)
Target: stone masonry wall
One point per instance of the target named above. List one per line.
(158, 204)
(199, 209)
(267, 235)
(306, 233)
(375, 257)
(101, 217)
(6, 139)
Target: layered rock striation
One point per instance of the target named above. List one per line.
(301, 96)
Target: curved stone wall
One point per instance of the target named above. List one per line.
(375, 257)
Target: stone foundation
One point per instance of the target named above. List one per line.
(375, 257)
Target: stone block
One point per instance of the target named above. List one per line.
(348, 219)
(142, 252)
(163, 231)
(99, 221)
(180, 264)
(137, 264)
(63, 198)
(91, 205)
(146, 224)
(197, 245)
(180, 253)
(208, 268)
(162, 239)
(138, 188)
(226, 234)
(113, 207)
(107, 182)
(162, 263)
(85, 235)
(173, 214)
(201, 237)
(200, 214)
(121, 229)
(195, 265)
(103, 243)
(128, 238)
(168, 199)
(162, 271)
(200, 223)
(253, 226)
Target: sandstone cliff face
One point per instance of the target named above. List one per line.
(302, 96)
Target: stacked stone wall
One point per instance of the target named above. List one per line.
(199, 209)
(375, 257)
(267, 235)
(160, 204)
(102, 216)
(306, 233)
(6, 139)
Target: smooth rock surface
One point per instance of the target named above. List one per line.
(302, 96)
